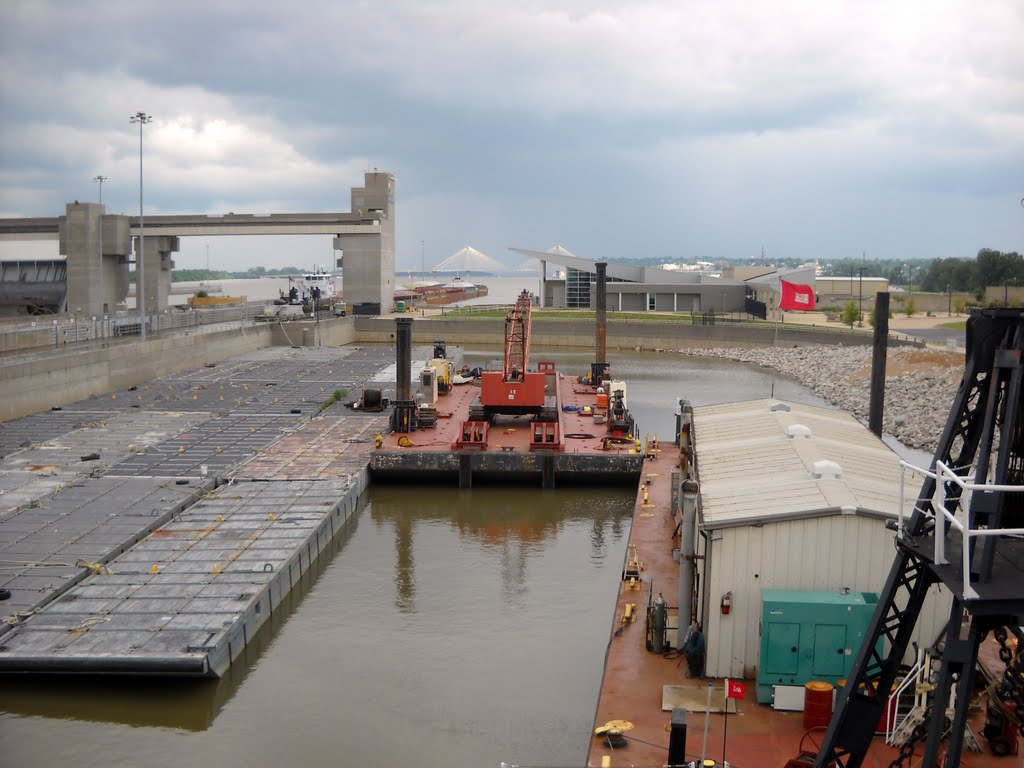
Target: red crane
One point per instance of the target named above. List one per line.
(515, 390)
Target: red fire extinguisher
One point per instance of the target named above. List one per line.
(726, 603)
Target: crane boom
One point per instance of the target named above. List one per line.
(517, 339)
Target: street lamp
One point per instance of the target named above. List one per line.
(102, 292)
(860, 297)
(910, 280)
(140, 284)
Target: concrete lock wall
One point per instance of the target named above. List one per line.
(39, 337)
(39, 384)
(333, 332)
(621, 335)
(49, 379)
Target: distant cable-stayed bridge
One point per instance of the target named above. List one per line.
(469, 259)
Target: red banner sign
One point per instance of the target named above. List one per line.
(796, 296)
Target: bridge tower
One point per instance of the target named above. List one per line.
(965, 533)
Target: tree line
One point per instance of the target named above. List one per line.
(988, 268)
(195, 275)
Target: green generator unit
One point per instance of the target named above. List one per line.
(809, 636)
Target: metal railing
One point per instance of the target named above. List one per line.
(55, 334)
(474, 309)
(943, 475)
(893, 721)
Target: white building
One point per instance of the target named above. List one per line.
(791, 497)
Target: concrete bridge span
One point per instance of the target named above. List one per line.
(99, 246)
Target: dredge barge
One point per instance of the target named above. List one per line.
(509, 425)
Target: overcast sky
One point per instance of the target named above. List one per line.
(681, 129)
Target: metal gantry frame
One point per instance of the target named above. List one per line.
(982, 439)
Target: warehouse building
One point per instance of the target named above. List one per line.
(792, 497)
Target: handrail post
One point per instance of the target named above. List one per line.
(969, 592)
(899, 526)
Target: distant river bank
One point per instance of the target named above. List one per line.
(501, 289)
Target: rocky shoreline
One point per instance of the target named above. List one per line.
(919, 384)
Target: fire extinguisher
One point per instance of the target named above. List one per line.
(726, 603)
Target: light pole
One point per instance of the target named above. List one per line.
(860, 297)
(140, 284)
(910, 280)
(100, 178)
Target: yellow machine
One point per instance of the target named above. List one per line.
(443, 371)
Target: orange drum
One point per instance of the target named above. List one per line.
(817, 704)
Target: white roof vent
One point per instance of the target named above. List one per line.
(798, 432)
(779, 407)
(826, 470)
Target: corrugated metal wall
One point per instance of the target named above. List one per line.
(826, 553)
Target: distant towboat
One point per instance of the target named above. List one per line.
(312, 290)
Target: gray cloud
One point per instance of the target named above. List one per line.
(679, 130)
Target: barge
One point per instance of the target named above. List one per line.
(154, 532)
(777, 516)
(439, 294)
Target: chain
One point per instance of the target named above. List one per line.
(1011, 688)
(916, 735)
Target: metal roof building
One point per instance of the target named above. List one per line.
(639, 288)
(634, 287)
(791, 497)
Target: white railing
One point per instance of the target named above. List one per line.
(942, 475)
(893, 721)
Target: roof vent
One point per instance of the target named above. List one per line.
(826, 470)
(798, 431)
(779, 407)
